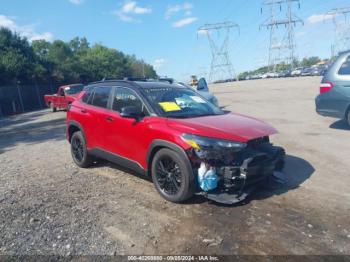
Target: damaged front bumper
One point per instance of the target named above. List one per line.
(238, 173)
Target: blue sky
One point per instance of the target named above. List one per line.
(163, 33)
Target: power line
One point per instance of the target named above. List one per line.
(282, 46)
(342, 29)
(221, 66)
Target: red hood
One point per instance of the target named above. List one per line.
(228, 126)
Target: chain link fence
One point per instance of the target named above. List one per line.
(17, 99)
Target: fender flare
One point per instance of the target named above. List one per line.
(77, 125)
(159, 143)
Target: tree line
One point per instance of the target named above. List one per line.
(59, 62)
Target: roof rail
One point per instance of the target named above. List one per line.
(132, 79)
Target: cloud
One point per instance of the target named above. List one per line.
(129, 10)
(159, 63)
(317, 18)
(76, 2)
(173, 9)
(27, 31)
(184, 22)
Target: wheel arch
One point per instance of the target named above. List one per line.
(73, 127)
(159, 144)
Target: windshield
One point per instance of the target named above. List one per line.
(180, 102)
(71, 90)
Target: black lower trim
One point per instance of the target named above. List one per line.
(119, 160)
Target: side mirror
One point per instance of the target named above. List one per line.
(202, 85)
(131, 112)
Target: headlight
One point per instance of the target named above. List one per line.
(205, 143)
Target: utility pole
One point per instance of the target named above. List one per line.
(282, 45)
(342, 29)
(221, 67)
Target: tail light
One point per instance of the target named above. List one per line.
(326, 87)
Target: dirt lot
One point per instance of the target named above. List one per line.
(49, 206)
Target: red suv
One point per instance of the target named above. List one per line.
(174, 135)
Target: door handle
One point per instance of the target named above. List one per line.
(109, 119)
(83, 111)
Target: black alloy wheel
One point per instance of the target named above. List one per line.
(79, 151)
(168, 175)
(172, 175)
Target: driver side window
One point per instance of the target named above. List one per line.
(126, 97)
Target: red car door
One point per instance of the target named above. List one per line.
(125, 136)
(93, 110)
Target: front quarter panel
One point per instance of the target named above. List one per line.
(158, 130)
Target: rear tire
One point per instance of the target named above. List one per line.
(79, 151)
(348, 117)
(171, 176)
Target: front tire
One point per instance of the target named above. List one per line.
(79, 151)
(172, 176)
(348, 117)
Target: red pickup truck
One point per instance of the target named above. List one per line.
(65, 96)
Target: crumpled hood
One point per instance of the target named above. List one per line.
(230, 126)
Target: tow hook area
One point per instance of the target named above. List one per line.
(226, 195)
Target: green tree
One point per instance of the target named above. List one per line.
(101, 62)
(63, 62)
(307, 62)
(16, 57)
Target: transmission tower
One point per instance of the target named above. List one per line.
(282, 46)
(342, 29)
(221, 66)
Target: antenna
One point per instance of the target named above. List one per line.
(221, 66)
(282, 46)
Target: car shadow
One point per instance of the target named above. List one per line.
(31, 133)
(105, 163)
(295, 172)
(340, 124)
(22, 118)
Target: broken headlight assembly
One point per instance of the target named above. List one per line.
(228, 170)
(213, 151)
(214, 161)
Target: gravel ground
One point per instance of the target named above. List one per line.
(50, 206)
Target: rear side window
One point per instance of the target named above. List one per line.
(345, 67)
(101, 96)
